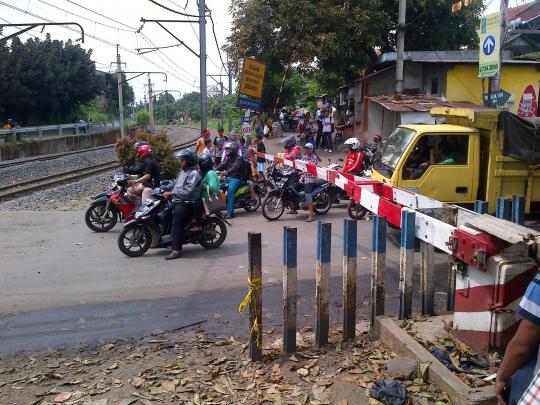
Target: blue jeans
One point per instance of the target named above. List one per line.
(234, 184)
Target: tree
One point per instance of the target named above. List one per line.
(334, 41)
(111, 89)
(44, 81)
(165, 109)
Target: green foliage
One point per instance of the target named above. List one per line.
(111, 89)
(89, 110)
(163, 152)
(142, 117)
(329, 43)
(44, 81)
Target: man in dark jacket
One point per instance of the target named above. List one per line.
(185, 194)
(233, 169)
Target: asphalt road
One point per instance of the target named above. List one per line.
(61, 285)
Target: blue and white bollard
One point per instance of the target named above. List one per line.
(518, 209)
(350, 238)
(324, 240)
(378, 267)
(406, 263)
(481, 207)
(503, 209)
(289, 290)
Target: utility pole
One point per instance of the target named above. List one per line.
(221, 106)
(400, 46)
(120, 97)
(495, 81)
(166, 93)
(150, 105)
(202, 58)
(230, 94)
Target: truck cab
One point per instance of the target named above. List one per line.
(439, 161)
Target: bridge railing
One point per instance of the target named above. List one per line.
(61, 130)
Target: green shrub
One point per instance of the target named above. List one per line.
(170, 166)
(143, 118)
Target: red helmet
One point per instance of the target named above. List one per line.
(144, 152)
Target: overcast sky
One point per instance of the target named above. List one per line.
(181, 66)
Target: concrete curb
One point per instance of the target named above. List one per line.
(458, 392)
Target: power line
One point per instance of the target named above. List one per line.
(217, 44)
(171, 10)
(100, 40)
(101, 15)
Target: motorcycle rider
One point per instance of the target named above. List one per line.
(354, 162)
(233, 169)
(210, 185)
(185, 195)
(149, 171)
(309, 179)
(292, 152)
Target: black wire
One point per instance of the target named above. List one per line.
(217, 43)
(171, 10)
(101, 15)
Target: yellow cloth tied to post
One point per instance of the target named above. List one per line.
(255, 327)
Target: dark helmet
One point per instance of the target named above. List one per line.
(206, 161)
(188, 155)
(230, 149)
(140, 143)
(377, 138)
(290, 142)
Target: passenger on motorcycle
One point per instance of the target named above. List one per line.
(148, 171)
(292, 152)
(233, 169)
(354, 162)
(210, 185)
(185, 195)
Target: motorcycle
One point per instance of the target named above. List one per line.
(354, 209)
(108, 207)
(242, 197)
(285, 195)
(152, 224)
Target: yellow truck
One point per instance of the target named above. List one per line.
(473, 155)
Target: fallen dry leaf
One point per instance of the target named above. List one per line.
(62, 397)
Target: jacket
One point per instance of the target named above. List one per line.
(187, 186)
(354, 162)
(234, 167)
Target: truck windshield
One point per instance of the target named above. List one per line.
(393, 148)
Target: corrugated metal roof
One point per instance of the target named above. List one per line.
(417, 103)
(449, 57)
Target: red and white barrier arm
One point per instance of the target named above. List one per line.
(386, 200)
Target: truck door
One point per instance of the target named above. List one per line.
(441, 167)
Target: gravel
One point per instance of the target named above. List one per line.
(69, 197)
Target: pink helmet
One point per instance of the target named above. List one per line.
(144, 152)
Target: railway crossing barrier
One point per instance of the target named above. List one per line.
(492, 260)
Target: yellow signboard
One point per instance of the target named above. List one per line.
(490, 44)
(251, 83)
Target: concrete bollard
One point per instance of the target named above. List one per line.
(406, 263)
(518, 209)
(350, 237)
(481, 207)
(324, 240)
(289, 290)
(378, 268)
(255, 304)
(503, 208)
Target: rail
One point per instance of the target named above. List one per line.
(39, 132)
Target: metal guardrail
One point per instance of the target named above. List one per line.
(61, 130)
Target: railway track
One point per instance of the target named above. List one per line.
(11, 191)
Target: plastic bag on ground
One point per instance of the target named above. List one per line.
(390, 392)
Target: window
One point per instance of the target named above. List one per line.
(435, 86)
(433, 150)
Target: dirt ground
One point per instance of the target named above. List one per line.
(194, 367)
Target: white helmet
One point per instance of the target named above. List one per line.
(353, 143)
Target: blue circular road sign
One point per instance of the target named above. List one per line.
(489, 45)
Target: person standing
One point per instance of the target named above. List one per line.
(327, 130)
(318, 138)
(219, 141)
(309, 179)
(258, 124)
(261, 148)
(199, 149)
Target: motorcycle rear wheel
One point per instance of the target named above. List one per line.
(134, 241)
(95, 220)
(273, 207)
(322, 202)
(214, 233)
(355, 210)
(250, 206)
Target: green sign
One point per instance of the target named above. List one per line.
(496, 98)
(490, 34)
